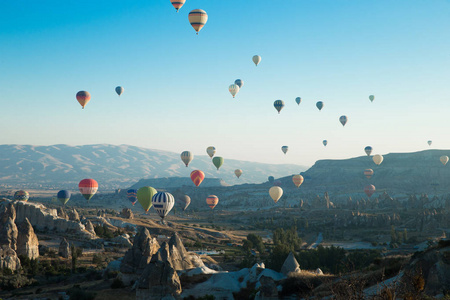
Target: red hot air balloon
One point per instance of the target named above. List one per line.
(369, 190)
(83, 98)
(197, 177)
(212, 201)
(88, 188)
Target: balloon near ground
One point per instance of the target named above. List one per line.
(198, 19)
(163, 203)
(444, 159)
(211, 150)
(88, 188)
(217, 161)
(368, 173)
(256, 59)
(197, 177)
(238, 173)
(185, 200)
(187, 157)
(275, 193)
(119, 90)
(285, 149)
(234, 89)
(278, 104)
(377, 159)
(144, 196)
(239, 83)
(298, 100)
(212, 201)
(319, 105)
(368, 150)
(63, 196)
(369, 190)
(177, 3)
(297, 180)
(83, 98)
(132, 196)
(343, 120)
(21, 196)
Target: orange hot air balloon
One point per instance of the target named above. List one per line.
(88, 188)
(83, 98)
(298, 180)
(197, 177)
(368, 173)
(212, 201)
(369, 190)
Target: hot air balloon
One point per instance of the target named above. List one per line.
(83, 98)
(238, 172)
(63, 196)
(186, 200)
(88, 188)
(197, 177)
(368, 150)
(378, 159)
(177, 3)
(119, 90)
(198, 19)
(284, 149)
(368, 173)
(217, 161)
(211, 151)
(371, 98)
(278, 104)
(319, 105)
(239, 83)
(275, 193)
(298, 100)
(132, 196)
(163, 203)
(256, 59)
(298, 180)
(187, 157)
(271, 179)
(343, 120)
(212, 201)
(234, 89)
(325, 142)
(21, 196)
(369, 190)
(429, 143)
(444, 159)
(144, 196)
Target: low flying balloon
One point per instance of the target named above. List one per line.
(369, 190)
(211, 151)
(177, 3)
(217, 161)
(444, 159)
(212, 201)
(63, 196)
(278, 104)
(197, 177)
(83, 98)
(429, 143)
(256, 59)
(377, 159)
(132, 196)
(371, 98)
(186, 200)
(163, 203)
(275, 193)
(234, 89)
(187, 157)
(88, 188)
(325, 142)
(198, 19)
(298, 180)
(319, 105)
(145, 195)
(298, 100)
(343, 120)
(239, 83)
(21, 196)
(119, 90)
(368, 150)
(284, 149)
(368, 173)
(238, 173)
(271, 179)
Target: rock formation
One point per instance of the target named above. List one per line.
(127, 213)
(8, 234)
(73, 215)
(89, 227)
(64, 248)
(27, 241)
(290, 265)
(268, 288)
(61, 213)
(8, 258)
(122, 241)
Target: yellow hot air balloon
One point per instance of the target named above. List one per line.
(298, 180)
(444, 159)
(378, 159)
(238, 172)
(275, 193)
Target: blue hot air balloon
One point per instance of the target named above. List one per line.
(298, 100)
(132, 195)
(319, 105)
(63, 196)
(278, 104)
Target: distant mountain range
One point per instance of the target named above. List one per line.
(62, 166)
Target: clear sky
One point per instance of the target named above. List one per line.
(176, 83)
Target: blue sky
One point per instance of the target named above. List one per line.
(176, 83)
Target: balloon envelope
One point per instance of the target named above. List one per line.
(284, 149)
(298, 180)
(271, 179)
(319, 105)
(256, 59)
(21, 196)
(163, 203)
(369, 190)
(63, 196)
(429, 143)
(83, 98)
(132, 196)
(88, 188)
(371, 98)
(239, 83)
(278, 104)
(197, 177)
(185, 200)
(298, 100)
(368, 173)
(234, 89)
(325, 142)
(217, 161)
(368, 150)
(238, 173)
(144, 196)
(211, 151)
(177, 3)
(444, 159)
(198, 19)
(343, 120)
(119, 90)
(378, 159)
(187, 157)
(212, 201)
(275, 193)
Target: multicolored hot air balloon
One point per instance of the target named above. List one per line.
(132, 196)
(198, 19)
(186, 200)
(211, 150)
(21, 196)
(119, 90)
(197, 177)
(238, 173)
(377, 159)
(284, 149)
(271, 179)
(319, 105)
(368, 173)
(278, 104)
(187, 157)
(256, 59)
(234, 89)
(83, 98)
(369, 190)
(429, 143)
(239, 83)
(325, 142)
(163, 203)
(88, 188)
(444, 159)
(177, 3)
(368, 150)
(212, 201)
(343, 120)
(275, 193)
(371, 98)
(63, 196)
(298, 180)
(144, 196)
(298, 100)
(217, 161)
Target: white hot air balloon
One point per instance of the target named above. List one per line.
(163, 202)
(256, 59)
(444, 159)
(234, 89)
(275, 193)
(211, 150)
(377, 159)
(187, 157)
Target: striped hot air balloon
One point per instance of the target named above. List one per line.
(132, 196)
(83, 98)
(298, 180)
(368, 173)
(88, 188)
(233, 89)
(21, 196)
(369, 190)
(198, 19)
(278, 104)
(187, 157)
(212, 201)
(63, 196)
(163, 203)
(177, 3)
(197, 177)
